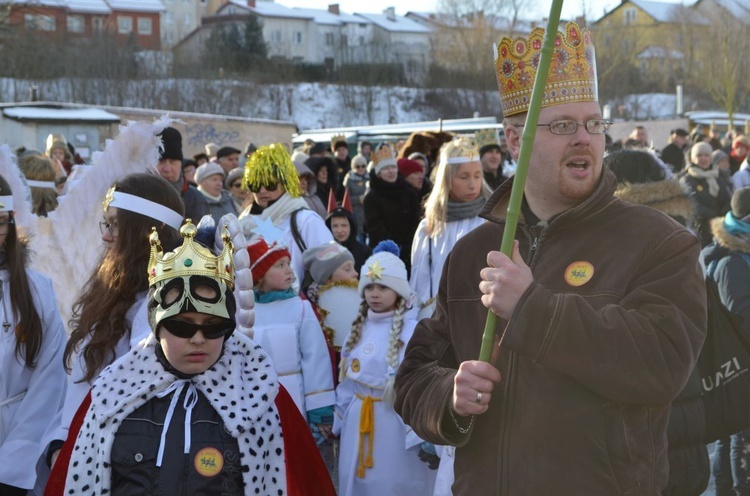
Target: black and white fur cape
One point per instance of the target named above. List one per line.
(244, 374)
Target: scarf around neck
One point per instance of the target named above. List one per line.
(208, 195)
(277, 213)
(710, 175)
(271, 296)
(464, 210)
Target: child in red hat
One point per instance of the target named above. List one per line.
(287, 328)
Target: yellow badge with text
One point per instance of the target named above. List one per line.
(355, 365)
(209, 462)
(579, 273)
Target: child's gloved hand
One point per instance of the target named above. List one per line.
(428, 455)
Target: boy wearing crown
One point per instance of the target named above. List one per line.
(198, 408)
(602, 312)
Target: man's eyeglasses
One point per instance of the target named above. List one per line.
(110, 227)
(569, 126)
(269, 187)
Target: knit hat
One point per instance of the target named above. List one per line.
(207, 170)
(322, 261)
(299, 158)
(211, 149)
(187, 162)
(233, 175)
(262, 257)
(680, 132)
(741, 203)
(383, 157)
(407, 167)
(358, 160)
(269, 165)
(172, 141)
(717, 156)
(225, 151)
(385, 268)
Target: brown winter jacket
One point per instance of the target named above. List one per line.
(588, 371)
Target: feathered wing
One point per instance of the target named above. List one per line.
(22, 212)
(68, 244)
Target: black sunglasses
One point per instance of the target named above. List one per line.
(268, 187)
(187, 330)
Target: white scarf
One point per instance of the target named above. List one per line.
(255, 387)
(277, 213)
(710, 175)
(208, 195)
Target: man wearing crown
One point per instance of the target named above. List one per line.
(197, 408)
(602, 312)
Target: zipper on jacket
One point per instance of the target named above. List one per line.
(503, 447)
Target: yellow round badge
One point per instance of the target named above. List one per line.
(355, 365)
(209, 462)
(579, 273)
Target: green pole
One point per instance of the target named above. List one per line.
(527, 141)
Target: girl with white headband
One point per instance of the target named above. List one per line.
(104, 325)
(451, 211)
(32, 339)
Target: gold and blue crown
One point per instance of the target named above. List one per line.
(572, 75)
(190, 259)
(486, 137)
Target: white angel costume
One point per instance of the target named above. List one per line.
(428, 255)
(289, 331)
(392, 446)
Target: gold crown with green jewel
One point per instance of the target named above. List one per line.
(190, 259)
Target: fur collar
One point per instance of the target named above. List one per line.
(665, 196)
(726, 240)
(137, 377)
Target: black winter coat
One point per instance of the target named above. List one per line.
(707, 207)
(392, 212)
(136, 444)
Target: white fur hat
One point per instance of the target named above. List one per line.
(385, 268)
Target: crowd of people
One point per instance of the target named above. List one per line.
(264, 322)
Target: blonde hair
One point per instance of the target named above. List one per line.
(394, 344)
(436, 207)
(40, 168)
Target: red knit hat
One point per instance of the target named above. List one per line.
(407, 166)
(262, 257)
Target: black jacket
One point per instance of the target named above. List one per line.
(136, 445)
(359, 251)
(392, 212)
(674, 156)
(707, 207)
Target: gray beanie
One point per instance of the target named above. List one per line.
(233, 175)
(322, 261)
(207, 170)
(741, 203)
(717, 156)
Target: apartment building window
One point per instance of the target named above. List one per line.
(329, 39)
(188, 19)
(344, 40)
(145, 26)
(297, 38)
(75, 24)
(629, 16)
(124, 25)
(40, 22)
(168, 18)
(97, 24)
(276, 36)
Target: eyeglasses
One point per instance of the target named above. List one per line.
(110, 227)
(268, 187)
(569, 126)
(187, 330)
(5, 226)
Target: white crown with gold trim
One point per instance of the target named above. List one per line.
(190, 259)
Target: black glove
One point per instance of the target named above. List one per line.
(427, 455)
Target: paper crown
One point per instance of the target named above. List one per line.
(270, 165)
(335, 140)
(486, 137)
(572, 75)
(459, 150)
(383, 156)
(190, 259)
